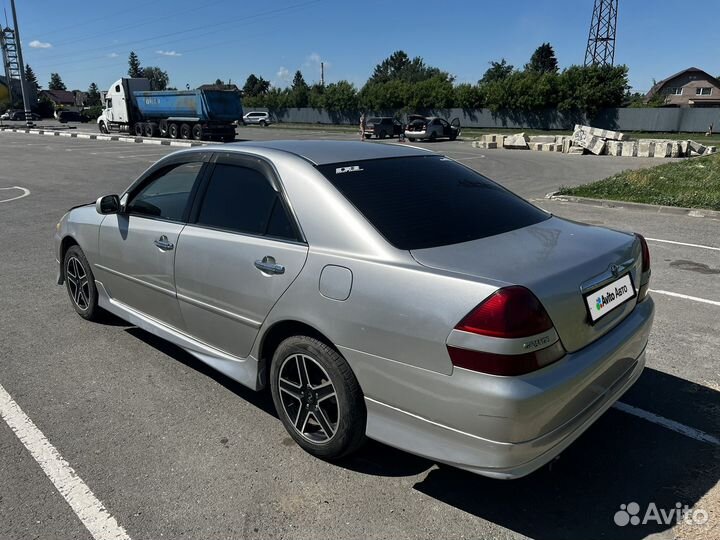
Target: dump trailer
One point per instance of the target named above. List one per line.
(203, 114)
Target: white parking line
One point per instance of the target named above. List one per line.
(687, 297)
(667, 423)
(89, 509)
(682, 244)
(25, 193)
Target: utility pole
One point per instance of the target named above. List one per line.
(322, 73)
(23, 82)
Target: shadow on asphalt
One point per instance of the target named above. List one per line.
(619, 460)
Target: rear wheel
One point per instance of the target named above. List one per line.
(317, 397)
(139, 129)
(411, 139)
(150, 130)
(185, 131)
(197, 132)
(263, 123)
(433, 136)
(80, 284)
(173, 131)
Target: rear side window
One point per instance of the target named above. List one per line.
(423, 202)
(241, 199)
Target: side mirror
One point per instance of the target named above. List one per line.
(109, 204)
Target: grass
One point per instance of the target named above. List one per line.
(691, 183)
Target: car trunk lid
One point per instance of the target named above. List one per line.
(561, 262)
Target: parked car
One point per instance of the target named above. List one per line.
(18, 115)
(431, 128)
(71, 116)
(257, 117)
(382, 127)
(421, 304)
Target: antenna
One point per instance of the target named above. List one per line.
(601, 38)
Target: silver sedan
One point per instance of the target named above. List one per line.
(379, 291)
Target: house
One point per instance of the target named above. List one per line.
(690, 87)
(60, 98)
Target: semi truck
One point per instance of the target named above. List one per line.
(202, 114)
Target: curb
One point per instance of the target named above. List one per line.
(103, 137)
(644, 207)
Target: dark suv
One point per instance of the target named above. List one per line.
(71, 116)
(382, 127)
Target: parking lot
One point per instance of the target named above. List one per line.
(171, 448)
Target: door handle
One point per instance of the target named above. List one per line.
(269, 266)
(163, 243)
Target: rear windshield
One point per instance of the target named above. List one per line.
(429, 201)
(374, 121)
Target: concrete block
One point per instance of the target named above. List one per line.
(576, 150)
(542, 139)
(602, 133)
(614, 148)
(629, 149)
(711, 150)
(684, 148)
(674, 149)
(662, 149)
(519, 141)
(595, 145)
(548, 147)
(566, 144)
(645, 148)
(484, 145)
(493, 138)
(536, 146)
(696, 148)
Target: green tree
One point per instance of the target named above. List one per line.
(399, 66)
(56, 83)
(543, 60)
(219, 82)
(497, 72)
(31, 78)
(299, 92)
(255, 86)
(341, 96)
(158, 78)
(134, 69)
(590, 88)
(93, 96)
(468, 96)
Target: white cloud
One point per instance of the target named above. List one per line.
(36, 44)
(113, 55)
(168, 53)
(283, 76)
(312, 65)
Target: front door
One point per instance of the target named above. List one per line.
(237, 256)
(137, 246)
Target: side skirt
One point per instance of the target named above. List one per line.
(242, 370)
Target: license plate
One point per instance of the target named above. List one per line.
(615, 294)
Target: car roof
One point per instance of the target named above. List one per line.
(325, 152)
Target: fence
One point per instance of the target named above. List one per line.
(640, 119)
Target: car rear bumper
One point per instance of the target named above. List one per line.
(503, 427)
(417, 134)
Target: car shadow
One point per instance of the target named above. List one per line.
(619, 460)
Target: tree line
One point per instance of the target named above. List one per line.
(409, 84)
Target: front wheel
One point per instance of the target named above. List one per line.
(80, 284)
(317, 397)
(103, 128)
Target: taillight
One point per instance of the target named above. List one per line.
(645, 253)
(512, 312)
(645, 268)
(509, 313)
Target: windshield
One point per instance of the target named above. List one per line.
(429, 201)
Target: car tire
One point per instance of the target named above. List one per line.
(80, 284)
(150, 130)
(173, 130)
(185, 131)
(139, 129)
(323, 411)
(197, 132)
(103, 128)
(263, 123)
(433, 137)
(411, 139)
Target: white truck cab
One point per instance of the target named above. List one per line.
(117, 105)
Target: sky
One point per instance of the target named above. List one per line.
(197, 42)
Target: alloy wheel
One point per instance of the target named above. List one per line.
(309, 398)
(78, 284)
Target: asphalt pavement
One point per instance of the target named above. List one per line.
(173, 449)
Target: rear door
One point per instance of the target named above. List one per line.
(238, 255)
(137, 246)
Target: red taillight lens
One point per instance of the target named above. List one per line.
(512, 312)
(645, 253)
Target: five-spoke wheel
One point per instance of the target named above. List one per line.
(80, 283)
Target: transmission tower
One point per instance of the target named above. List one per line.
(601, 39)
(10, 58)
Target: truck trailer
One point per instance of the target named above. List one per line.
(203, 114)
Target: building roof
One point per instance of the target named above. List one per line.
(657, 86)
(59, 96)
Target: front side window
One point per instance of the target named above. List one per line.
(166, 196)
(241, 199)
(424, 202)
